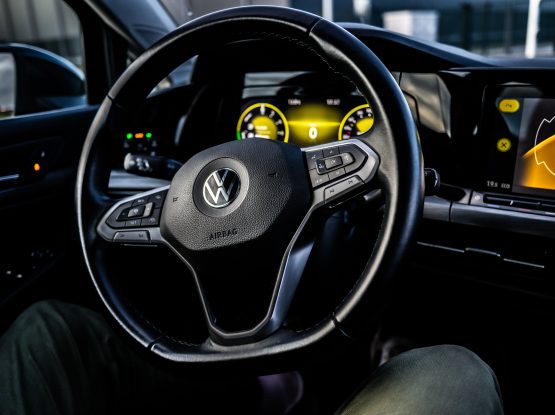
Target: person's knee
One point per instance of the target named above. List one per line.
(453, 359)
(442, 379)
(40, 310)
(451, 367)
(449, 354)
(38, 316)
(48, 324)
(60, 358)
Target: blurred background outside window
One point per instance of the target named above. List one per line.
(48, 24)
(487, 27)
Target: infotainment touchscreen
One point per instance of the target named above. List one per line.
(535, 159)
(519, 127)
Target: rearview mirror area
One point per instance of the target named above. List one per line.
(7, 85)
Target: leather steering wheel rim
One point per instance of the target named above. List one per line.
(394, 139)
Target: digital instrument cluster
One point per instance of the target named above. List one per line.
(305, 121)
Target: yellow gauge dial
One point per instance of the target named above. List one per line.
(263, 120)
(357, 122)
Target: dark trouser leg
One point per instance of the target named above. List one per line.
(59, 358)
(63, 359)
(439, 380)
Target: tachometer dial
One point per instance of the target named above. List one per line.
(263, 121)
(357, 122)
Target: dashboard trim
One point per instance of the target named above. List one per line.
(537, 224)
(520, 222)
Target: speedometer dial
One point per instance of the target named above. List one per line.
(263, 120)
(357, 122)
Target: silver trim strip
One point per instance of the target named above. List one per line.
(9, 178)
(462, 251)
(528, 264)
(122, 180)
(443, 248)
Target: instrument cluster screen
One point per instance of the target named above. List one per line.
(305, 121)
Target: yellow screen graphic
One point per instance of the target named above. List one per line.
(263, 120)
(306, 123)
(365, 124)
(357, 122)
(264, 127)
(537, 165)
(313, 123)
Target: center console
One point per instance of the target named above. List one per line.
(505, 187)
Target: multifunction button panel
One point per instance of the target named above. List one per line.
(135, 220)
(141, 212)
(339, 168)
(333, 163)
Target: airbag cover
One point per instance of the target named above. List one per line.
(235, 193)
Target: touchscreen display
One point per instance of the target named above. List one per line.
(519, 127)
(535, 158)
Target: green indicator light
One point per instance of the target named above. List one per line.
(238, 135)
(129, 136)
(148, 135)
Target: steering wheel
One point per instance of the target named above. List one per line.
(229, 203)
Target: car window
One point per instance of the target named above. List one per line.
(40, 57)
(7, 85)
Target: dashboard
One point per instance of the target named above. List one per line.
(288, 106)
(485, 125)
(505, 131)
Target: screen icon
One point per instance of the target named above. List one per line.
(504, 145)
(509, 105)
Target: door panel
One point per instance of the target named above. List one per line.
(38, 163)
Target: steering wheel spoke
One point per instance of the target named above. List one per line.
(135, 220)
(336, 172)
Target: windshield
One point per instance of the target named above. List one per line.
(488, 27)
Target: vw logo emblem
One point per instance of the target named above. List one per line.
(221, 188)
